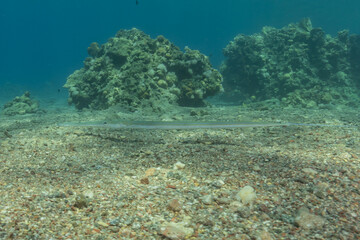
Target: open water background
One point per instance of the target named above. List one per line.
(42, 41)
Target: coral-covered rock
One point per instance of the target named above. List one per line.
(133, 70)
(354, 57)
(21, 105)
(297, 64)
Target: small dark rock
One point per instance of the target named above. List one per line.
(80, 201)
(60, 195)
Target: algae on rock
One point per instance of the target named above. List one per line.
(135, 71)
(298, 64)
(21, 105)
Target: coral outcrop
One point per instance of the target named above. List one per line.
(135, 71)
(21, 105)
(298, 64)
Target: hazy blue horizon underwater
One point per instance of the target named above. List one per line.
(45, 41)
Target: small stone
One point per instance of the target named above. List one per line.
(235, 205)
(247, 195)
(243, 211)
(207, 199)
(176, 231)
(301, 180)
(174, 205)
(345, 155)
(309, 171)
(206, 222)
(263, 235)
(115, 222)
(59, 195)
(89, 193)
(244, 237)
(114, 229)
(222, 200)
(264, 217)
(174, 175)
(307, 220)
(320, 190)
(218, 183)
(179, 165)
(144, 180)
(148, 152)
(80, 201)
(103, 224)
(257, 168)
(170, 186)
(264, 208)
(355, 229)
(150, 172)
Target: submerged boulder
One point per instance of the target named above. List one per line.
(21, 105)
(135, 71)
(297, 64)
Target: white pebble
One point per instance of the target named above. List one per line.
(173, 230)
(179, 165)
(207, 199)
(309, 171)
(247, 195)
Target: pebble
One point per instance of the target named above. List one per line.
(176, 231)
(103, 224)
(247, 195)
(263, 235)
(243, 212)
(150, 172)
(80, 201)
(320, 189)
(144, 180)
(257, 168)
(59, 195)
(307, 220)
(115, 222)
(89, 193)
(309, 171)
(222, 200)
(218, 183)
(207, 199)
(174, 205)
(235, 205)
(179, 165)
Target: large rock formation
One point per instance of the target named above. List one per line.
(135, 71)
(21, 105)
(298, 64)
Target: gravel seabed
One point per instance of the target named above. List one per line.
(98, 183)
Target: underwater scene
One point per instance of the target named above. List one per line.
(158, 119)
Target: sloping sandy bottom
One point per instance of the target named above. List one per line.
(99, 183)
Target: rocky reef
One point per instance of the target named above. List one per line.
(21, 105)
(298, 65)
(134, 71)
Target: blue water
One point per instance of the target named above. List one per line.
(43, 41)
